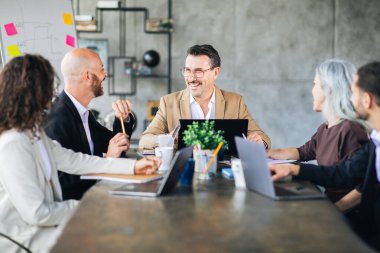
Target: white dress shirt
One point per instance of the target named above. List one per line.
(375, 136)
(196, 110)
(83, 112)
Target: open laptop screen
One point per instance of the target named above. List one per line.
(231, 128)
(157, 188)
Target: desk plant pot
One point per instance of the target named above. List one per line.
(205, 139)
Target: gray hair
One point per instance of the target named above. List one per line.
(336, 77)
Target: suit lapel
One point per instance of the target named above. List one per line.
(371, 169)
(77, 118)
(184, 105)
(220, 104)
(94, 136)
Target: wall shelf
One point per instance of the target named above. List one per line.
(99, 29)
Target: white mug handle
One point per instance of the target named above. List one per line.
(158, 152)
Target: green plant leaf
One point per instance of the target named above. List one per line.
(204, 133)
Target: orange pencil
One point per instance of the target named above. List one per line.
(214, 155)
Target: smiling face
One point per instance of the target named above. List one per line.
(202, 87)
(318, 95)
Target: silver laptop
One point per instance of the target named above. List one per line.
(258, 176)
(134, 153)
(161, 187)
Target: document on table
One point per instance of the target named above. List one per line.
(272, 161)
(122, 178)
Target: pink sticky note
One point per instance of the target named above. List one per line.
(70, 40)
(10, 29)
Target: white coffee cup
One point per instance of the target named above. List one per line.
(165, 140)
(166, 155)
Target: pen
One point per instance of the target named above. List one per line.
(245, 137)
(214, 155)
(122, 124)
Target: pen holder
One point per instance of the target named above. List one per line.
(202, 159)
(186, 177)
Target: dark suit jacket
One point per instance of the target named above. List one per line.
(64, 125)
(359, 169)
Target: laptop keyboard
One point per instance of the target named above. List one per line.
(280, 191)
(146, 187)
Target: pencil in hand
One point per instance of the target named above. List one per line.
(122, 124)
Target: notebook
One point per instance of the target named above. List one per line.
(258, 177)
(122, 178)
(231, 128)
(162, 187)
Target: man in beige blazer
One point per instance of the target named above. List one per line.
(200, 100)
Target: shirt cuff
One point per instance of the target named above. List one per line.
(265, 145)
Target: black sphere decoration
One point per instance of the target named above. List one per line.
(151, 58)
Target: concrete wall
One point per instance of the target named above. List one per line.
(269, 50)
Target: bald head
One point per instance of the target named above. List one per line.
(84, 74)
(76, 62)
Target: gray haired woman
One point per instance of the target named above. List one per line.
(340, 135)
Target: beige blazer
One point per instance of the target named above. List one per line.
(31, 206)
(175, 106)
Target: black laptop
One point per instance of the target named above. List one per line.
(162, 187)
(231, 128)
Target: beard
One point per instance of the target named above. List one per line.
(361, 114)
(97, 87)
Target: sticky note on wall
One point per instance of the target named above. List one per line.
(70, 40)
(67, 19)
(10, 29)
(13, 50)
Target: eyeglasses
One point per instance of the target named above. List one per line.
(198, 73)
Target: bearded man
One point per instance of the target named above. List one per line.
(72, 124)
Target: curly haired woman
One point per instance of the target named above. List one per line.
(32, 212)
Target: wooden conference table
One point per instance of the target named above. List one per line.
(212, 216)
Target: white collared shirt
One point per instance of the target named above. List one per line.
(83, 112)
(196, 110)
(375, 136)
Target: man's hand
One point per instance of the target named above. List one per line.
(122, 108)
(280, 171)
(147, 165)
(256, 138)
(117, 145)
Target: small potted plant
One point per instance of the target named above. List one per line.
(205, 139)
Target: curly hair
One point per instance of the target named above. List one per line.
(26, 90)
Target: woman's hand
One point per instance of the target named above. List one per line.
(147, 165)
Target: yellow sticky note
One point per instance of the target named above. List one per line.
(67, 19)
(13, 50)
